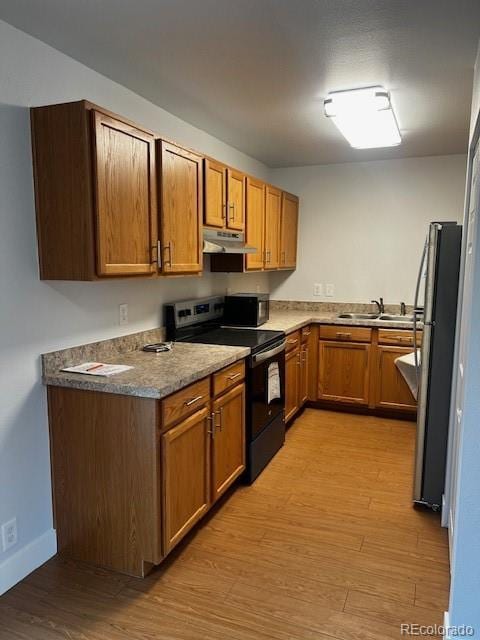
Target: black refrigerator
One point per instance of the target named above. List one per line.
(440, 266)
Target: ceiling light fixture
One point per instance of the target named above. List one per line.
(364, 116)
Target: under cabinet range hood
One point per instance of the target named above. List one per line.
(225, 242)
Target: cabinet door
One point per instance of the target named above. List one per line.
(215, 176)
(273, 209)
(392, 392)
(185, 476)
(236, 200)
(292, 379)
(125, 195)
(228, 441)
(344, 372)
(288, 232)
(255, 221)
(304, 368)
(181, 214)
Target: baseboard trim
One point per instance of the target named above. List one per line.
(27, 559)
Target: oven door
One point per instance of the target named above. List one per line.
(266, 389)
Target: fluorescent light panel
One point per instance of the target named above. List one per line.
(364, 116)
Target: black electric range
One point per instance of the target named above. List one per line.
(200, 321)
(255, 339)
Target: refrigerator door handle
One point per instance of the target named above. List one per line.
(415, 305)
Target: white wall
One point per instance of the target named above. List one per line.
(363, 224)
(35, 316)
(465, 502)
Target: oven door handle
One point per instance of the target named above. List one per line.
(265, 355)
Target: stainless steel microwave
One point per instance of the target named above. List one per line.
(246, 309)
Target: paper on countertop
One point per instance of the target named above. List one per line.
(406, 366)
(273, 382)
(98, 369)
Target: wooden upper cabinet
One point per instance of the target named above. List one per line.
(344, 372)
(255, 222)
(125, 196)
(273, 210)
(289, 231)
(215, 175)
(95, 193)
(235, 200)
(181, 214)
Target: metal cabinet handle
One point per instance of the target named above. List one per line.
(224, 211)
(235, 375)
(153, 248)
(299, 361)
(344, 336)
(168, 247)
(193, 400)
(211, 418)
(282, 257)
(292, 341)
(231, 205)
(219, 413)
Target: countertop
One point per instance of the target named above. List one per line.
(158, 375)
(154, 375)
(289, 321)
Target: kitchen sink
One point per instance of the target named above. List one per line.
(358, 316)
(396, 318)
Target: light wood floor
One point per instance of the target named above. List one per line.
(324, 545)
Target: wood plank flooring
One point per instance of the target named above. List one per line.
(325, 545)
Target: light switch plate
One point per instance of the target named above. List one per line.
(330, 290)
(9, 534)
(318, 289)
(123, 313)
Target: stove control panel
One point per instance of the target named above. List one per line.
(191, 312)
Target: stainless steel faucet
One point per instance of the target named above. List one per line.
(380, 305)
(403, 309)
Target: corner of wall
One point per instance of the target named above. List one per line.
(27, 559)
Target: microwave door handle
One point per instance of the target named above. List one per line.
(265, 355)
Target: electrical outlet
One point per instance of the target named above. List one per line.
(9, 534)
(330, 290)
(123, 313)
(318, 289)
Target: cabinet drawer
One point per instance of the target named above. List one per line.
(345, 333)
(306, 331)
(403, 338)
(228, 377)
(293, 341)
(184, 402)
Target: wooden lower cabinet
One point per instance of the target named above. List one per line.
(391, 390)
(344, 372)
(185, 476)
(304, 369)
(228, 440)
(131, 476)
(356, 366)
(292, 383)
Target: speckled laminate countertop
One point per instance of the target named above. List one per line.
(154, 375)
(157, 375)
(289, 321)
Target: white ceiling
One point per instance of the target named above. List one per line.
(254, 72)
